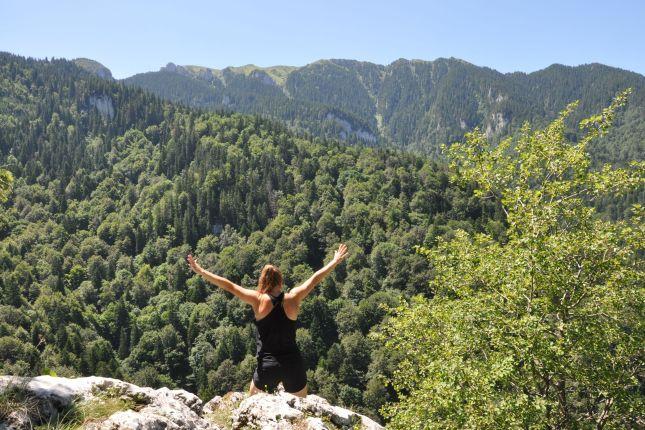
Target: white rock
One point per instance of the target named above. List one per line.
(161, 409)
(131, 420)
(315, 424)
(104, 105)
(235, 397)
(286, 411)
(320, 407)
(265, 411)
(166, 409)
(212, 405)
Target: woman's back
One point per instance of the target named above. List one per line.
(276, 332)
(278, 356)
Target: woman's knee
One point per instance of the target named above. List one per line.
(301, 393)
(253, 389)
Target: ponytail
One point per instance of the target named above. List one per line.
(269, 278)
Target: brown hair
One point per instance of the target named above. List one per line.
(270, 278)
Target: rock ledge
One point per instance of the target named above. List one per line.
(25, 402)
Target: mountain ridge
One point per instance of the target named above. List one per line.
(413, 104)
(252, 66)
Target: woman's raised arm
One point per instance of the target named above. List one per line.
(247, 296)
(301, 292)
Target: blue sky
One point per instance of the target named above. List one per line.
(137, 36)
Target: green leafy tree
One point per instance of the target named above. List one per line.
(544, 329)
(6, 180)
(222, 379)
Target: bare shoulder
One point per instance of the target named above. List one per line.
(263, 307)
(263, 300)
(291, 305)
(292, 298)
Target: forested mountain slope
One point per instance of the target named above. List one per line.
(413, 104)
(114, 187)
(94, 67)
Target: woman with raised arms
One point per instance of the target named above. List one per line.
(276, 312)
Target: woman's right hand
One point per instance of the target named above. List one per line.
(341, 254)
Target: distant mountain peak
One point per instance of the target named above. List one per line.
(94, 67)
(174, 68)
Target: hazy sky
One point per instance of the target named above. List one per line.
(137, 36)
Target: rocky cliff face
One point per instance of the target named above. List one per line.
(103, 104)
(103, 403)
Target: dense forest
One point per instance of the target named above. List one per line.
(414, 104)
(114, 186)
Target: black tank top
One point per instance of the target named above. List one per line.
(276, 333)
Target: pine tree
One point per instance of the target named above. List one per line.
(124, 350)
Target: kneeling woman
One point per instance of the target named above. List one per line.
(279, 359)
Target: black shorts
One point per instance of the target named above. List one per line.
(271, 370)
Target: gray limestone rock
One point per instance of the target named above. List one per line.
(40, 399)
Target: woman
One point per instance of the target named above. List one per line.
(278, 356)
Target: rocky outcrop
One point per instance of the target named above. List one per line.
(147, 408)
(95, 67)
(286, 411)
(26, 402)
(361, 133)
(174, 68)
(103, 104)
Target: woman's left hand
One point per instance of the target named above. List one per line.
(341, 254)
(194, 266)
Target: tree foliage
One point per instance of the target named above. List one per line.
(6, 179)
(543, 329)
